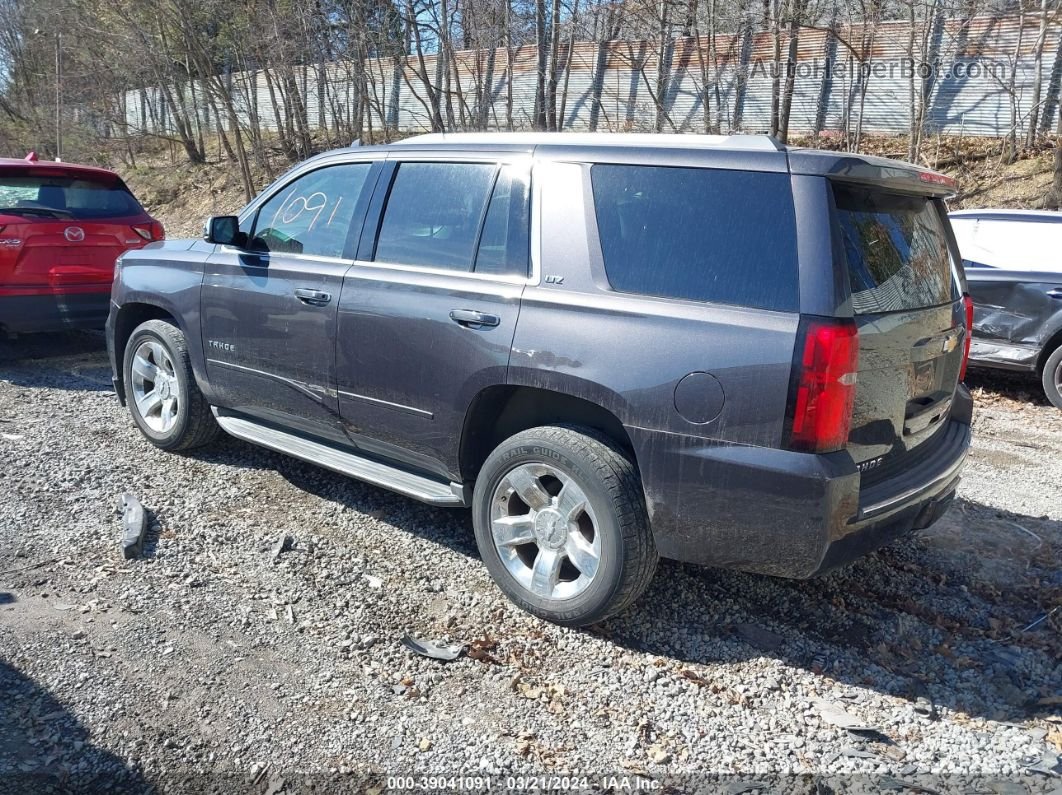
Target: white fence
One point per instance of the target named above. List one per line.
(978, 78)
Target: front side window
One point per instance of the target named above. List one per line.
(312, 214)
(66, 197)
(434, 214)
(698, 234)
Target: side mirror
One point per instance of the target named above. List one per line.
(224, 230)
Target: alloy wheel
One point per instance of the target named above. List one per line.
(155, 387)
(544, 531)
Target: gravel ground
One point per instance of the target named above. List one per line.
(232, 660)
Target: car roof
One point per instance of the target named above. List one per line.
(1034, 216)
(533, 140)
(741, 151)
(54, 166)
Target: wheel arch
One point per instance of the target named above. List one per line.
(127, 318)
(1051, 344)
(500, 411)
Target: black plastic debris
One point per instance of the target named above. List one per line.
(134, 526)
(284, 543)
(433, 649)
(759, 638)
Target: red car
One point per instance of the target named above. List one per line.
(61, 229)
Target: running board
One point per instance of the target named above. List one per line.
(433, 492)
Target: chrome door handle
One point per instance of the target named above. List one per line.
(1056, 293)
(473, 319)
(312, 297)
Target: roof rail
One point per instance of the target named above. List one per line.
(662, 140)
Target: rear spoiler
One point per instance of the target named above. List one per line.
(877, 171)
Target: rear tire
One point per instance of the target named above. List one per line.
(561, 525)
(161, 389)
(1052, 377)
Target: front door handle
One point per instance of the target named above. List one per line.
(473, 319)
(1056, 293)
(312, 297)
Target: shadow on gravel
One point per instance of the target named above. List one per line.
(448, 526)
(44, 749)
(941, 616)
(31, 360)
(50, 345)
(1022, 387)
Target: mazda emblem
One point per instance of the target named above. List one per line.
(75, 234)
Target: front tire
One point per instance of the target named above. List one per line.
(161, 390)
(1052, 377)
(561, 525)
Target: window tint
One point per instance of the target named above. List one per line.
(434, 213)
(699, 234)
(41, 195)
(312, 214)
(895, 249)
(503, 243)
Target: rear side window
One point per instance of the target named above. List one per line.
(434, 214)
(70, 196)
(895, 249)
(505, 240)
(698, 234)
(311, 215)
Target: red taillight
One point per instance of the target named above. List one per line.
(151, 231)
(823, 385)
(968, 305)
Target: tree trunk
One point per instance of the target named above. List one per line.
(554, 65)
(1038, 66)
(663, 64)
(539, 118)
(796, 14)
(776, 77)
(1054, 198)
(1010, 153)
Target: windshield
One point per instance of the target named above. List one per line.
(65, 196)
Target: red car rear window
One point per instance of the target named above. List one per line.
(65, 196)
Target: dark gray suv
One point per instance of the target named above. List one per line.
(610, 347)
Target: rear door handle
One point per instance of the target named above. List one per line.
(473, 319)
(312, 297)
(1056, 293)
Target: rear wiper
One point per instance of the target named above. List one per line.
(45, 211)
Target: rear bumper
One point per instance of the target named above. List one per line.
(54, 311)
(788, 514)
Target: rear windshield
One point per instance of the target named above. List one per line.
(896, 250)
(46, 196)
(698, 234)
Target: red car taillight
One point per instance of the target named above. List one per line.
(968, 305)
(823, 385)
(151, 231)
